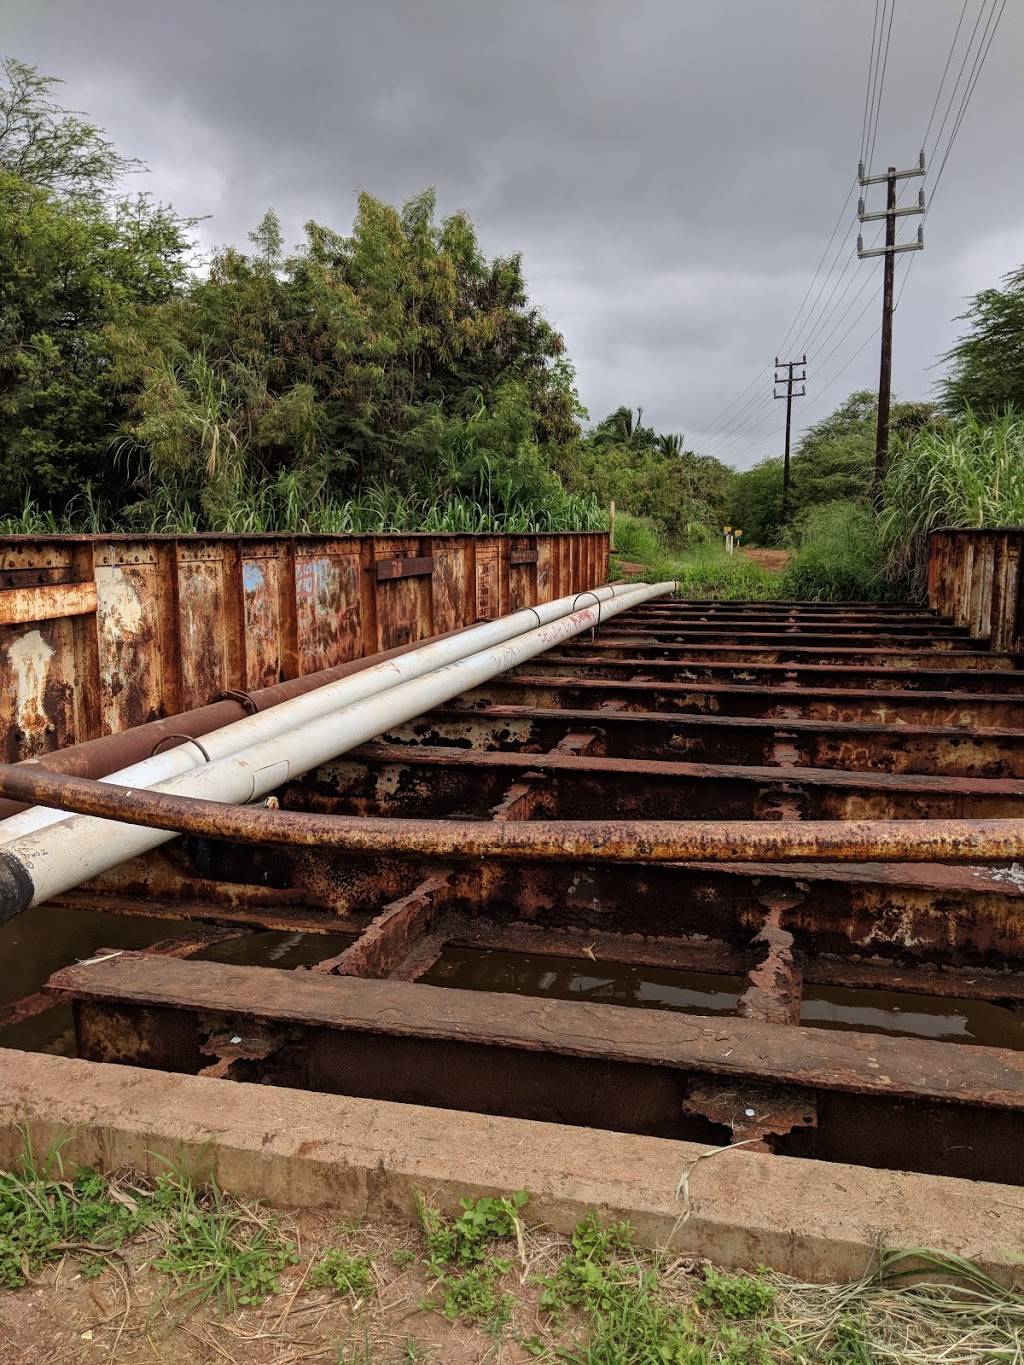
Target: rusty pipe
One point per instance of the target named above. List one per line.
(737, 841)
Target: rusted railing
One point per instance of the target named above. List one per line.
(974, 577)
(102, 633)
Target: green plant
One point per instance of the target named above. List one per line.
(345, 1274)
(216, 1250)
(459, 1252)
(467, 1238)
(963, 471)
(735, 1296)
(838, 555)
(44, 1215)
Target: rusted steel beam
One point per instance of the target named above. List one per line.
(900, 913)
(775, 982)
(393, 934)
(620, 664)
(593, 948)
(417, 781)
(411, 566)
(46, 602)
(577, 1063)
(990, 1078)
(888, 656)
(775, 703)
(826, 611)
(520, 801)
(914, 840)
(725, 739)
(668, 626)
(935, 642)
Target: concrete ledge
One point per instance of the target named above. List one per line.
(809, 1219)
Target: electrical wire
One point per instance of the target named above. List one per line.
(881, 84)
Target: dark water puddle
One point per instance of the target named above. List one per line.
(609, 983)
(577, 978)
(267, 948)
(38, 943)
(901, 1014)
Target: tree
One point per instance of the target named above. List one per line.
(50, 147)
(390, 357)
(833, 462)
(76, 265)
(71, 271)
(652, 476)
(987, 365)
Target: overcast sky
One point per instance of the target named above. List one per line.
(670, 169)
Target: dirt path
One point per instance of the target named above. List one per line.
(774, 560)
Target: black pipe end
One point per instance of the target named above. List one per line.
(16, 889)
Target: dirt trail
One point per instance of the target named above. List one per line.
(775, 560)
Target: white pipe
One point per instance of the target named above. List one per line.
(278, 720)
(55, 860)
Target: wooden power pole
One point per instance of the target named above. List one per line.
(889, 251)
(789, 379)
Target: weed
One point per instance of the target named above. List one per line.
(735, 1296)
(43, 1216)
(963, 471)
(475, 1296)
(838, 556)
(460, 1254)
(402, 1258)
(343, 1273)
(589, 1276)
(218, 1252)
(467, 1239)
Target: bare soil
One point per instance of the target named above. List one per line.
(129, 1314)
(773, 560)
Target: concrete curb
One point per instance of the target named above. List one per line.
(809, 1219)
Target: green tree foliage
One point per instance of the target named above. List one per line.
(50, 147)
(652, 476)
(73, 264)
(987, 365)
(397, 356)
(832, 462)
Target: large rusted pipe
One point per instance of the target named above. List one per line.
(735, 841)
(110, 753)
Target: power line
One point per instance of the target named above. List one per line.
(881, 82)
(867, 88)
(976, 69)
(945, 73)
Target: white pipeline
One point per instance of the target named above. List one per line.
(288, 715)
(48, 862)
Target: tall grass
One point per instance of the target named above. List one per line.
(838, 556)
(284, 505)
(964, 472)
(702, 571)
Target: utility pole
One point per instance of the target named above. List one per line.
(789, 379)
(889, 251)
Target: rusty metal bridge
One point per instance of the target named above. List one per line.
(714, 871)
